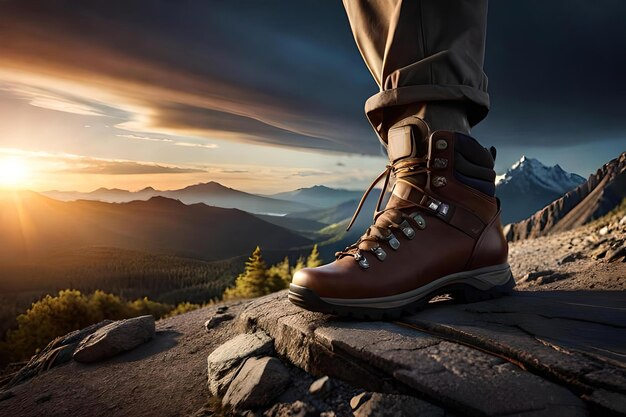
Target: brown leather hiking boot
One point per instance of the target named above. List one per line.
(440, 233)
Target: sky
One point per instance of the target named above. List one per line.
(267, 96)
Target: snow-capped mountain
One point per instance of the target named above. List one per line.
(602, 192)
(529, 185)
(532, 172)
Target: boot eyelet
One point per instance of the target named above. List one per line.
(407, 229)
(441, 145)
(439, 181)
(433, 204)
(393, 241)
(379, 252)
(421, 223)
(440, 163)
(362, 260)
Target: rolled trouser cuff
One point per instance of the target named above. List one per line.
(476, 101)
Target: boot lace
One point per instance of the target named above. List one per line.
(390, 218)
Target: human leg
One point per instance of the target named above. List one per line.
(440, 231)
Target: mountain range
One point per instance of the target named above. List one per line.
(529, 185)
(211, 193)
(319, 196)
(602, 192)
(317, 213)
(523, 189)
(33, 224)
(37, 230)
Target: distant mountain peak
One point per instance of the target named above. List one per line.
(160, 200)
(602, 192)
(535, 173)
(209, 185)
(529, 185)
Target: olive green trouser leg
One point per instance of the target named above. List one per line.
(422, 51)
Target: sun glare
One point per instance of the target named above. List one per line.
(13, 171)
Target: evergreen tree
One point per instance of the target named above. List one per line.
(313, 260)
(70, 310)
(252, 282)
(279, 275)
(300, 263)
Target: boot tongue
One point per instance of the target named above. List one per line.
(407, 139)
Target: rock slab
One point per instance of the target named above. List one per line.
(257, 383)
(224, 362)
(117, 337)
(529, 354)
(58, 352)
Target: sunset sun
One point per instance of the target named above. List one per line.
(13, 171)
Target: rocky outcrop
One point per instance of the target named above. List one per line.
(601, 193)
(114, 338)
(58, 352)
(93, 343)
(530, 354)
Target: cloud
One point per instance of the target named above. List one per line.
(106, 167)
(52, 100)
(47, 162)
(197, 145)
(172, 141)
(234, 171)
(310, 173)
(140, 67)
(288, 74)
(146, 138)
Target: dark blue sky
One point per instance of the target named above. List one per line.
(287, 73)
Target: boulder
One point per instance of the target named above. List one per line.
(223, 362)
(117, 337)
(257, 383)
(58, 352)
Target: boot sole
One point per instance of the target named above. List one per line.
(466, 287)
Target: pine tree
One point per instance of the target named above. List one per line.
(252, 282)
(279, 275)
(300, 263)
(313, 259)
